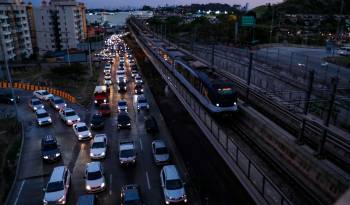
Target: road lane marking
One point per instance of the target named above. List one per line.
(148, 183)
(141, 144)
(20, 190)
(110, 184)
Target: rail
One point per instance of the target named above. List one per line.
(261, 187)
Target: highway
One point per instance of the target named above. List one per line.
(34, 174)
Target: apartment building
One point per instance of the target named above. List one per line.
(59, 24)
(14, 31)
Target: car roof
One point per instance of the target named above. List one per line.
(141, 97)
(126, 145)
(67, 109)
(124, 101)
(80, 124)
(159, 143)
(171, 172)
(40, 91)
(93, 166)
(131, 193)
(99, 137)
(48, 139)
(40, 111)
(35, 99)
(57, 174)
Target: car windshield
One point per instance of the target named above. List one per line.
(97, 145)
(45, 93)
(142, 101)
(54, 186)
(173, 184)
(59, 101)
(48, 147)
(42, 115)
(82, 129)
(97, 117)
(126, 153)
(36, 102)
(121, 103)
(70, 113)
(161, 150)
(94, 175)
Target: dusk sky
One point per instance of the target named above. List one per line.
(112, 4)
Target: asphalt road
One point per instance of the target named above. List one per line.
(34, 174)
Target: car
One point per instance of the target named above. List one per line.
(121, 68)
(87, 199)
(121, 74)
(104, 109)
(123, 121)
(49, 149)
(138, 79)
(6, 97)
(58, 103)
(42, 117)
(121, 87)
(82, 131)
(94, 177)
(160, 152)
(121, 59)
(69, 116)
(127, 152)
(172, 185)
(108, 82)
(134, 73)
(57, 188)
(35, 104)
(42, 94)
(121, 79)
(151, 124)
(108, 66)
(121, 64)
(138, 89)
(131, 194)
(122, 106)
(98, 147)
(97, 121)
(141, 103)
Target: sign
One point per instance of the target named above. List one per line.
(248, 21)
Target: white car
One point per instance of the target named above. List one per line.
(69, 116)
(122, 106)
(127, 153)
(42, 94)
(94, 177)
(142, 103)
(121, 74)
(42, 117)
(98, 147)
(172, 185)
(138, 79)
(35, 104)
(160, 152)
(57, 188)
(82, 131)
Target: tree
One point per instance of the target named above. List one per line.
(146, 8)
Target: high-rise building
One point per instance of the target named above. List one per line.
(14, 31)
(31, 21)
(59, 24)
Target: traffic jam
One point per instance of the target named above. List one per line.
(121, 104)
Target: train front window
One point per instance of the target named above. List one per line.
(225, 91)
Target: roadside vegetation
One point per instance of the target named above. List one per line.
(10, 144)
(340, 60)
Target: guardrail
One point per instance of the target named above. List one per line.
(27, 86)
(261, 188)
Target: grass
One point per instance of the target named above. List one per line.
(10, 143)
(340, 60)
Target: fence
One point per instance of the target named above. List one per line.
(265, 191)
(29, 87)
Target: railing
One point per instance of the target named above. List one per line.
(262, 189)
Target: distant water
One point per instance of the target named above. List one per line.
(116, 19)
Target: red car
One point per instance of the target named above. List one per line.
(104, 109)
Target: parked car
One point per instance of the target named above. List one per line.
(57, 103)
(123, 120)
(98, 147)
(131, 195)
(57, 188)
(42, 117)
(151, 124)
(94, 177)
(172, 185)
(6, 97)
(35, 104)
(127, 152)
(160, 152)
(82, 131)
(50, 151)
(97, 121)
(69, 116)
(42, 94)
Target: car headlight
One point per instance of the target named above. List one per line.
(103, 184)
(69, 121)
(80, 136)
(141, 90)
(65, 104)
(58, 154)
(62, 199)
(89, 133)
(39, 122)
(128, 124)
(91, 154)
(104, 100)
(50, 120)
(42, 106)
(35, 108)
(95, 101)
(11, 99)
(78, 119)
(56, 106)
(88, 187)
(234, 103)
(217, 104)
(46, 157)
